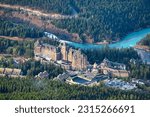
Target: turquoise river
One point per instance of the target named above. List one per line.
(128, 41)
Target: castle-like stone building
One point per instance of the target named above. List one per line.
(71, 58)
(47, 51)
(113, 69)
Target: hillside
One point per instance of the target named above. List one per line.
(8, 28)
(97, 20)
(144, 43)
(53, 6)
(44, 89)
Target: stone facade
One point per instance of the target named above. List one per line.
(70, 54)
(114, 69)
(73, 59)
(47, 51)
(10, 71)
(64, 54)
(13, 73)
(79, 61)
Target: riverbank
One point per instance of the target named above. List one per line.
(142, 47)
(130, 40)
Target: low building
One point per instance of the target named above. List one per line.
(86, 79)
(62, 77)
(10, 72)
(113, 69)
(20, 60)
(138, 81)
(116, 83)
(64, 64)
(16, 72)
(42, 75)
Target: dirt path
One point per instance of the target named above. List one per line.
(15, 38)
(34, 19)
(36, 12)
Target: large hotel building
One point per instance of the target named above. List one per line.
(71, 58)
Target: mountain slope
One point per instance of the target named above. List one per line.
(97, 19)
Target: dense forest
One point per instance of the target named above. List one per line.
(51, 90)
(50, 41)
(139, 71)
(127, 56)
(32, 68)
(118, 55)
(8, 28)
(17, 48)
(54, 6)
(26, 49)
(145, 41)
(22, 48)
(108, 20)
(97, 19)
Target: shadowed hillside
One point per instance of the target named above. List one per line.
(97, 19)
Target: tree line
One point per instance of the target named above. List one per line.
(31, 68)
(98, 19)
(139, 71)
(127, 56)
(54, 6)
(113, 54)
(45, 89)
(26, 49)
(145, 41)
(107, 20)
(17, 48)
(8, 28)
